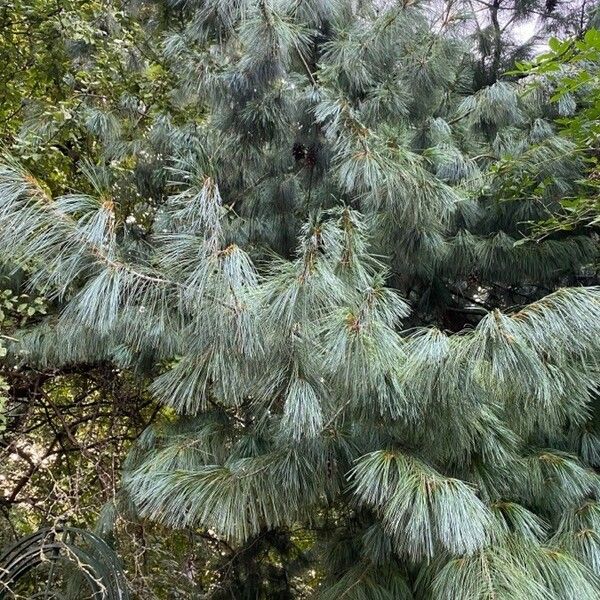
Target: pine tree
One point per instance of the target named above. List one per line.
(311, 253)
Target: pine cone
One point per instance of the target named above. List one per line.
(298, 151)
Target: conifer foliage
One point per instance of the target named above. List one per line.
(311, 254)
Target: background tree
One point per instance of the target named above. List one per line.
(570, 68)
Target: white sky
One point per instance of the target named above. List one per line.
(526, 30)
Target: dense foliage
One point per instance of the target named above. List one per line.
(279, 254)
(572, 66)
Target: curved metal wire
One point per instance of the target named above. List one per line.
(96, 563)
